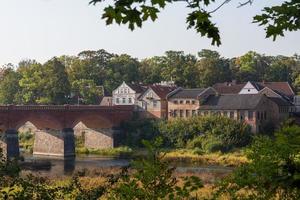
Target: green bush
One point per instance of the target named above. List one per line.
(153, 179)
(273, 171)
(138, 130)
(211, 133)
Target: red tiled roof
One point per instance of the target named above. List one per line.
(281, 87)
(161, 90)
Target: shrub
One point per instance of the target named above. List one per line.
(273, 171)
(138, 130)
(211, 133)
(152, 178)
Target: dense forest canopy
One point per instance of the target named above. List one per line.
(81, 78)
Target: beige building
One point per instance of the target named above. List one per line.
(153, 102)
(184, 103)
(257, 110)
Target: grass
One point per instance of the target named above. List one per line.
(114, 152)
(195, 156)
(223, 159)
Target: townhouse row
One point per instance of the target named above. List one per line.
(258, 104)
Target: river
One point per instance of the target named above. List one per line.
(67, 167)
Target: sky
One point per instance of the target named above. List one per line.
(42, 29)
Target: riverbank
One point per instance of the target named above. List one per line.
(190, 156)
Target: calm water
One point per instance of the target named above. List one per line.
(60, 167)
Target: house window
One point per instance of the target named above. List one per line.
(205, 113)
(129, 100)
(187, 113)
(117, 100)
(180, 113)
(154, 103)
(265, 115)
(258, 115)
(242, 115)
(193, 102)
(231, 114)
(123, 100)
(218, 113)
(187, 102)
(122, 91)
(180, 102)
(250, 115)
(175, 113)
(175, 101)
(261, 115)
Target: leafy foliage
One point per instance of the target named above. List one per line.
(210, 133)
(274, 170)
(277, 19)
(152, 179)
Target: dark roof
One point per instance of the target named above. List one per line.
(161, 90)
(187, 93)
(228, 88)
(232, 102)
(280, 101)
(138, 88)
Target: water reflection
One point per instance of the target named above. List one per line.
(69, 165)
(58, 167)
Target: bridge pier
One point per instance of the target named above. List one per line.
(100, 138)
(54, 143)
(9, 142)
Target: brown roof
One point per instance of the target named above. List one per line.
(279, 87)
(228, 88)
(161, 90)
(282, 88)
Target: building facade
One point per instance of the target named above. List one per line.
(256, 110)
(153, 102)
(127, 94)
(184, 103)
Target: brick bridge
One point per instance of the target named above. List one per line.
(55, 123)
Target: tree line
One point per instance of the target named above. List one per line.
(68, 79)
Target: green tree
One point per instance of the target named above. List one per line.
(151, 70)
(9, 86)
(121, 68)
(212, 68)
(251, 67)
(179, 68)
(276, 19)
(87, 91)
(44, 84)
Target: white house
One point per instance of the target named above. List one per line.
(127, 94)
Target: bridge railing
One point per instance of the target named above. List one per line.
(65, 107)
